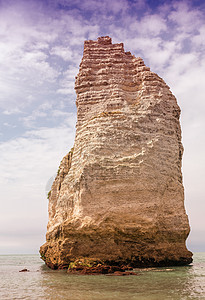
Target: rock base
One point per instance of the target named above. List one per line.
(107, 247)
(84, 267)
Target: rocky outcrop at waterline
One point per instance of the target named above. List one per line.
(118, 197)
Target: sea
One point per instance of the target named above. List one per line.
(40, 282)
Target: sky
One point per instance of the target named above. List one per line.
(41, 46)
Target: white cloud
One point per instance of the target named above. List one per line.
(102, 7)
(12, 111)
(185, 16)
(67, 83)
(63, 52)
(60, 113)
(27, 163)
(199, 38)
(30, 38)
(29, 121)
(149, 25)
(46, 105)
(36, 153)
(9, 125)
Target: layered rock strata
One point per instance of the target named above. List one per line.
(118, 198)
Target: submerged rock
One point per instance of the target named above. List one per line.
(118, 196)
(96, 268)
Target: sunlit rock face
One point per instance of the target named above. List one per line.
(118, 197)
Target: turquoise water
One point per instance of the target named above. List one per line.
(153, 284)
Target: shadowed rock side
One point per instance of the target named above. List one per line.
(118, 198)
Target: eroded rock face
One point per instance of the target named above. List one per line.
(118, 197)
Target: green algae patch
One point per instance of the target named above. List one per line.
(84, 262)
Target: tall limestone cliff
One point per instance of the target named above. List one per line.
(118, 197)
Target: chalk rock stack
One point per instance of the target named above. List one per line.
(118, 197)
